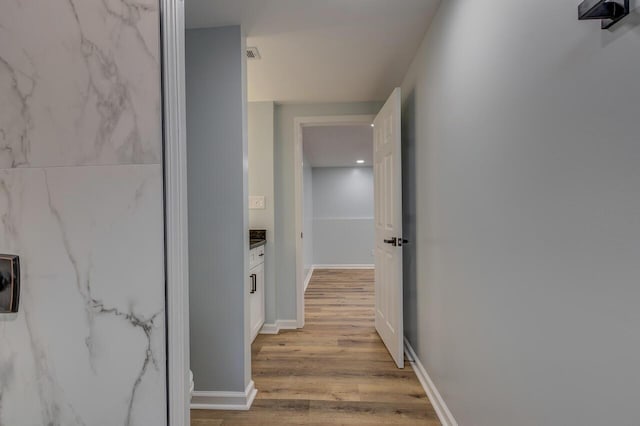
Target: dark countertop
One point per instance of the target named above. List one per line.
(257, 238)
(254, 243)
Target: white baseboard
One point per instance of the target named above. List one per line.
(202, 400)
(307, 280)
(345, 266)
(274, 328)
(270, 328)
(445, 416)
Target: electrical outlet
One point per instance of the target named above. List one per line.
(256, 202)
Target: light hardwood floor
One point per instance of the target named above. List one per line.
(335, 371)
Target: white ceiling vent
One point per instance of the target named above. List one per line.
(252, 53)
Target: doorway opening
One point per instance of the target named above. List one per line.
(387, 215)
(337, 198)
(334, 197)
(216, 123)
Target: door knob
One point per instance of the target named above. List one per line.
(393, 241)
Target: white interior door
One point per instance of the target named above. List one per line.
(387, 170)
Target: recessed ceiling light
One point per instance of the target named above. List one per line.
(372, 124)
(360, 161)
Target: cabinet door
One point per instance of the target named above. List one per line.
(260, 293)
(253, 300)
(256, 300)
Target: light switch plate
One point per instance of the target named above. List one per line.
(256, 202)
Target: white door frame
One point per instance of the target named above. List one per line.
(175, 206)
(299, 123)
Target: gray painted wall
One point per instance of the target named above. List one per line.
(522, 195)
(307, 214)
(284, 191)
(218, 232)
(260, 130)
(343, 215)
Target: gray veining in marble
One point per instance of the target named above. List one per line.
(90, 335)
(81, 203)
(86, 91)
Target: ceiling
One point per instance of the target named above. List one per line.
(338, 146)
(322, 50)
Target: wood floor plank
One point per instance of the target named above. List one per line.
(335, 371)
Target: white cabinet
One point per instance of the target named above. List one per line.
(256, 290)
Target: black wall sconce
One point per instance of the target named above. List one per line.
(609, 12)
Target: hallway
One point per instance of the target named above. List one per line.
(334, 371)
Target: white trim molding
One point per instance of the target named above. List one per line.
(240, 401)
(299, 123)
(443, 412)
(346, 266)
(274, 328)
(175, 205)
(298, 194)
(307, 279)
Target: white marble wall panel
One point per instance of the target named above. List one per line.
(81, 203)
(79, 83)
(87, 347)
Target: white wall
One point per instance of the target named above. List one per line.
(343, 224)
(81, 203)
(284, 191)
(218, 209)
(260, 174)
(522, 201)
(307, 214)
